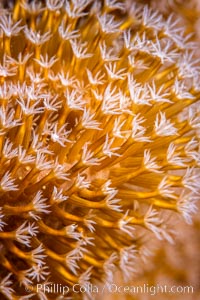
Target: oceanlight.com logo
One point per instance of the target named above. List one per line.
(147, 289)
(110, 288)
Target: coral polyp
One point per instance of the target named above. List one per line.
(99, 140)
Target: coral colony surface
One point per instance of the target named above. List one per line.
(99, 142)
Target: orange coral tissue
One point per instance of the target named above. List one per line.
(99, 140)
